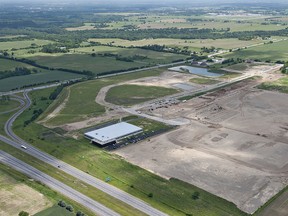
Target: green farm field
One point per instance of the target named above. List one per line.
(100, 64)
(128, 95)
(42, 76)
(267, 52)
(6, 64)
(22, 44)
(171, 196)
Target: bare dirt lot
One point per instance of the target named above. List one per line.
(235, 146)
(16, 197)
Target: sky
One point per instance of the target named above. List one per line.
(141, 2)
(150, 1)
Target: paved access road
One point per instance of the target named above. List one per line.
(56, 185)
(97, 183)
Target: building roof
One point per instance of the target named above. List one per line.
(112, 132)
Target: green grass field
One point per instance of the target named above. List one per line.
(22, 44)
(273, 52)
(8, 105)
(55, 210)
(203, 81)
(43, 77)
(79, 62)
(171, 196)
(149, 125)
(6, 64)
(128, 95)
(280, 85)
(74, 109)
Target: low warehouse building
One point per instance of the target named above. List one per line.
(109, 135)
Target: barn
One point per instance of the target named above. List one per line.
(111, 134)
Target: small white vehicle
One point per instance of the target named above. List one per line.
(24, 147)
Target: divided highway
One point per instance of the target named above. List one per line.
(56, 185)
(97, 183)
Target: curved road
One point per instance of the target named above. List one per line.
(97, 183)
(30, 171)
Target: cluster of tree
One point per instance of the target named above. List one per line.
(284, 68)
(56, 92)
(35, 84)
(163, 48)
(231, 61)
(18, 71)
(70, 208)
(23, 213)
(120, 57)
(59, 89)
(35, 115)
(208, 49)
(130, 58)
(4, 99)
(53, 48)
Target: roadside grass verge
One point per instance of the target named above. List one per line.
(128, 95)
(170, 196)
(204, 81)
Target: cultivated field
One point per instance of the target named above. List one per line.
(16, 196)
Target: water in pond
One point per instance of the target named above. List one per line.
(196, 70)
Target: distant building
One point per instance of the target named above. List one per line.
(111, 134)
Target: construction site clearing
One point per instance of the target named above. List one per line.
(234, 145)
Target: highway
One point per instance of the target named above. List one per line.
(56, 185)
(97, 183)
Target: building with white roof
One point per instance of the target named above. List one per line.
(110, 134)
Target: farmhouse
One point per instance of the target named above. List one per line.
(109, 135)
